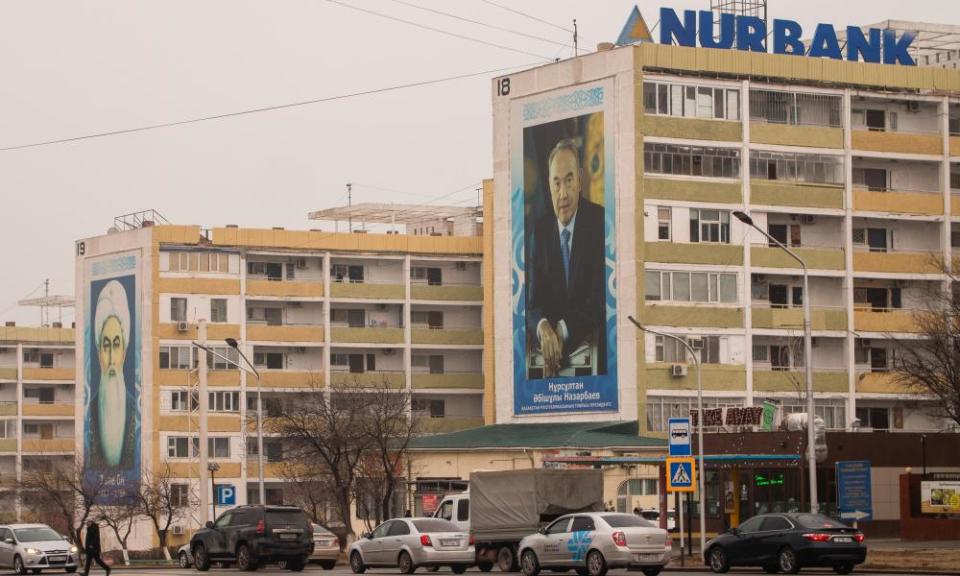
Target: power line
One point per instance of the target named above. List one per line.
(259, 110)
(440, 30)
(530, 16)
(479, 23)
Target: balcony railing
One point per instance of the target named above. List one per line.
(374, 379)
(8, 407)
(367, 290)
(261, 331)
(48, 409)
(460, 380)
(870, 319)
(49, 445)
(774, 316)
(897, 261)
(815, 256)
(464, 336)
(280, 287)
(448, 292)
(768, 379)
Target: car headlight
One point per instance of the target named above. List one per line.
(74, 549)
(32, 551)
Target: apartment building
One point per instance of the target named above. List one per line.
(854, 166)
(37, 375)
(311, 310)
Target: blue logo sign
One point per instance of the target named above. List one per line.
(679, 430)
(226, 495)
(854, 493)
(749, 33)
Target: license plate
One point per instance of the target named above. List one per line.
(646, 557)
(453, 542)
(57, 559)
(288, 536)
(843, 539)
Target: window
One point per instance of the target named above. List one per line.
(663, 223)
(435, 408)
(691, 160)
(558, 527)
(691, 286)
(218, 310)
(46, 360)
(673, 352)
(180, 495)
(225, 358)
(463, 510)
(710, 226)
(178, 401)
(198, 262)
(353, 318)
(218, 447)
(224, 401)
(583, 523)
(177, 358)
(797, 168)
(272, 270)
(670, 99)
(751, 525)
(786, 234)
(178, 309)
(41, 395)
(874, 417)
(346, 273)
(178, 447)
(795, 108)
(873, 179)
(269, 360)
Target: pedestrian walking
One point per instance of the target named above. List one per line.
(91, 546)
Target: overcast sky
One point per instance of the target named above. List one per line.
(77, 68)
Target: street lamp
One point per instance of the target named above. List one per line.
(807, 356)
(702, 474)
(213, 468)
(253, 370)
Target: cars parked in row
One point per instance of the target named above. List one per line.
(410, 543)
(786, 543)
(250, 536)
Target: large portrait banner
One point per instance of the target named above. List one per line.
(563, 252)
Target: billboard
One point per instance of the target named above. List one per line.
(562, 220)
(112, 365)
(939, 497)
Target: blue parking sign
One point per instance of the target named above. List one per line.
(226, 495)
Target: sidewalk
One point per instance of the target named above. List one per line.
(892, 544)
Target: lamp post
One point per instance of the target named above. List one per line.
(700, 477)
(213, 467)
(807, 356)
(252, 370)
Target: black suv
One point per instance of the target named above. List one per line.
(251, 536)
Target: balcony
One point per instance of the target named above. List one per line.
(896, 262)
(215, 423)
(284, 288)
(368, 379)
(49, 374)
(363, 290)
(792, 318)
(8, 408)
(795, 380)
(715, 377)
(796, 135)
(289, 379)
(212, 286)
(954, 145)
(171, 331)
(346, 335)
(815, 258)
(716, 254)
(458, 380)
(8, 445)
(449, 424)
(284, 333)
(270, 469)
(58, 409)
(183, 468)
(884, 320)
(897, 142)
(720, 191)
(778, 193)
(693, 316)
(448, 336)
(693, 128)
(8, 372)
(214, 377)
(447, 292)
(48, 445)
(881, 383)
(922, 203)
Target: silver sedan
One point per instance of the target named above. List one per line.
(594, 542)
(408, 543)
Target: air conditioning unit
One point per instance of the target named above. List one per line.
(177, 530)
(301, 263)
(182, 327)
(678, 370)
(696, 344)
(913, 106)
(461, 265)
(807, 219)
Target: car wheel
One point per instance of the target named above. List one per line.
(245, 559)
(596, 563)
(485, 566)
(459, 568)
(718, 560)
(405, 562)
(507, 559)
(843, 568)
(651, 570)
(296, 565)
(18, 565)
(183, 559)
(788, 561)
(356, 563)
(200, 558)
(328, 564)
(529, 564)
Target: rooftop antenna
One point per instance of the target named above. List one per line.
(350, 205)
(45, 302)
(575, 51)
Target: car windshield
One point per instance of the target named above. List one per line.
(815, 521)
(318, 529)
(39, 534)
(626, 521)
(435, 525)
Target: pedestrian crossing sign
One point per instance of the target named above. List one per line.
(681, 475)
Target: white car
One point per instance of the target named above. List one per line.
(410, 543)
(34, 548)
(184, 557)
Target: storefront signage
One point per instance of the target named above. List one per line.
(733, 416)
(750, 34)
(854, 491)
(939, 497)
(774, 479)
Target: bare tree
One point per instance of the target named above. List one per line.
(308, 487)
(163, 501)
(66, 491)
(120, 518)
(931, 364)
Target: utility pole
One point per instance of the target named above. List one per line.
(204, 406)
(575, 51)
(350, 205)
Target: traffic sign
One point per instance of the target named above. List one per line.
(854, 492)
(681, 474)
(226, 495)
(679, 429)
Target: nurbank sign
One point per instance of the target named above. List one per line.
(749, 33)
